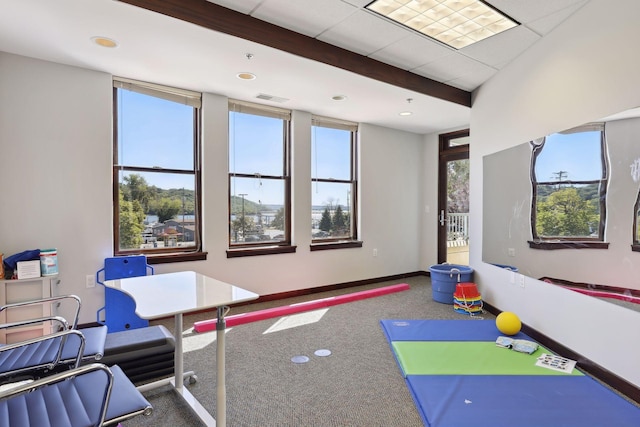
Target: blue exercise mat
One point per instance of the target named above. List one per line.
(519, 400)
(443, 330)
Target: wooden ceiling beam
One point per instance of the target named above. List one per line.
(217, 18)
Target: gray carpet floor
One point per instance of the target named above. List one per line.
(358, 384)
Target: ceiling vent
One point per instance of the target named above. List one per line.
(272, 98)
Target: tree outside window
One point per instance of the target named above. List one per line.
(569, 177)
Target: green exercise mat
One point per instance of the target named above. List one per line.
(467, 358)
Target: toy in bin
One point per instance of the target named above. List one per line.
(467, 299)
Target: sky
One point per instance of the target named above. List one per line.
(577, 154)
(157, 133)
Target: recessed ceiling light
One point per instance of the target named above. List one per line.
(405, 113)
(339, 97)
(456, 23)
(246, 76)
(104, 41)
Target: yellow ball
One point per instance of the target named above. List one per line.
(508, 323)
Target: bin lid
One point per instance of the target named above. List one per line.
(447, 268)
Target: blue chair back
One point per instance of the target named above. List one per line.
(125, 266)
(119, 308)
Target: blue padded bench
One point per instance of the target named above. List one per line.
(86, 396)
(143, 353)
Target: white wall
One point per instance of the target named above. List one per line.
(584, 70)
(55, 146)
(55, 143)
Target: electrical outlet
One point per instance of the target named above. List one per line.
(375, 252)
(521, 280)
(512, 277)
(91, 281)
(511, 252)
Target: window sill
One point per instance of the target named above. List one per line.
(263, 250)
(549, 245)
(335, 245)
(176, 257)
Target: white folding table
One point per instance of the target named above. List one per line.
(173, 294)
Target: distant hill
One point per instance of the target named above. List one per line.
(250, 208)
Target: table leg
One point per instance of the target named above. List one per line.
(178, 362)
(178, 380)
(221, 402)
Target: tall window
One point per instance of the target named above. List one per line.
(333, 180)
(259, 177)
(156, 170)
(569, 176)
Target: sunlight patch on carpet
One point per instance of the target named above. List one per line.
(295, 320)
(192, 341)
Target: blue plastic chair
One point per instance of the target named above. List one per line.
(119, 308)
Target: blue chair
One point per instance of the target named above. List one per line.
(35, 357)
(95, 336)
(119, 308)
(90, 395)
(66, 348)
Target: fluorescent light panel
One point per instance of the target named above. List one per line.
(457, 23)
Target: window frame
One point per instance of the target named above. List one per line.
(635, 245)
(571, 242)
(166, 254)
(235, 250)
(352, 240)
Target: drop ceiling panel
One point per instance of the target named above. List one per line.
(411, 52)
(358, 3)
(451, 67)
(544, 25)
(308, 17)
(526, 11)
(363, 33)
(472, 80)
(503, 47)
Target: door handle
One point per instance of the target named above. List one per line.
(442, 218)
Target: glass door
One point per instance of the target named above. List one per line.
(453, 198)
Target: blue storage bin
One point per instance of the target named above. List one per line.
(445, 277)
(507, 267)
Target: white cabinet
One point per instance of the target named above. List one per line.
(12, 291)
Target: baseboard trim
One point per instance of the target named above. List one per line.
(587, 365)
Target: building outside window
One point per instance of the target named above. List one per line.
(569, 174)
(259, 176)
(333, 180)
(156, 169)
